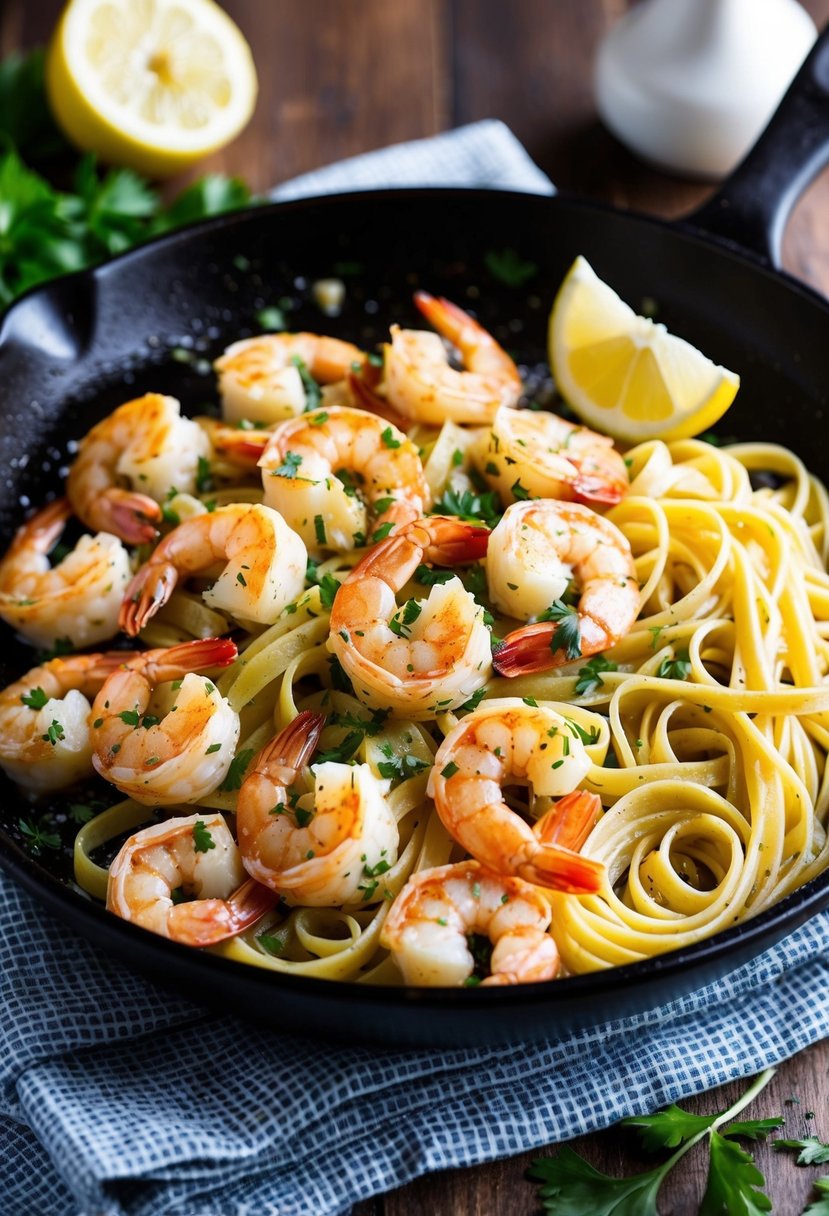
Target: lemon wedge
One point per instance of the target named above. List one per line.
(623, 374)
(152, 84)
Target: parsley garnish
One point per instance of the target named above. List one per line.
(677, 668)
(37, 836)
(273, 943)
(54, 733)
(214, 747)
(272, 319)
(590, 675)
(344, 750)
(426, 576)
(130, 716)
(329, 586)
(388, 438)
(570, 1184)
(319, 530)
(236, 772)
(79, 813)
(204, 476)
(484, 507)
(395, 766)
(474, 701)
(202, 840)
(810, 1150)
(567, 636)
(372, 873)
(313, 396)
(35, 699)
(508, 267)
(402, 621)
(519, 493)
(449, 770)
(382, 532)
(289, 465)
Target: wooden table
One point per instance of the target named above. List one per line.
(339, 77)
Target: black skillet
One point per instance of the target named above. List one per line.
(151, 319)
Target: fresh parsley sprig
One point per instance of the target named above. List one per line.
(570, 1186)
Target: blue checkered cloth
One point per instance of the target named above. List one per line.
(117, 1099)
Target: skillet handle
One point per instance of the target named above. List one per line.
(751, 208)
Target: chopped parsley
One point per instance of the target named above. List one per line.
(508, 267)
(399, 767)
(236, 772)
(202, 840)
(54, 733)
(427, 577)
(388, 438)
(567, 636)
(677, 668)
(590, 675)
(329, 586)
(289, 465)
(372, 874)
(402, 621)
(204, 476)
(313, 396)
(449, 770)
(37, 836)
(35, 699)
(480, 507)
(319, 530)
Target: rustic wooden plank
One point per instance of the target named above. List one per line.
(336, 80)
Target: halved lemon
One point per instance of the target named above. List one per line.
(153, 84)
(623, 374)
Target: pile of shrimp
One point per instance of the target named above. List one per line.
(361, 497)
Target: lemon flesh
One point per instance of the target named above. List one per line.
(623, 374)
(153, 84)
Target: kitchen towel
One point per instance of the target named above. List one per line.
(118, 1099)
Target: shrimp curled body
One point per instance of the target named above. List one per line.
(421, 383)
(147, 443)
(339, 474)
(431, 654)
(194, 855)
(44, 720)
(508, 742)
(180, 756)
(313, 854)
(598, 556)
(77, 598)
(259, 378)
(535, 453)
(265, 570)
(429, 924)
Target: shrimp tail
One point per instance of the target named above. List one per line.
(293, 747)
(242, 448)
(568, 824)
(527, 650)
(149, 590)
(131, 516)
(175, 661)
(562, 870)
(589, 491)
(453, 540)
(446, 317)
(205, 922)
(43, 529)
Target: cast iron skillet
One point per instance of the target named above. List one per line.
(151, 319)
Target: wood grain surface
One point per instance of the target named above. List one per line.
(339, 77)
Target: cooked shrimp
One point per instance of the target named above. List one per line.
(260, 380)
(265, 570)
(531, 452)
(599, 557)
(421, 383)
(193, 855)
(146, 443)
(339, 475)
(181, 756)
(428, 927)
(44, 720)
(429, 655)
(324, 852)
(78, 598)
(508, 742)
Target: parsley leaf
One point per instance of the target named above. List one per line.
(819, 1207)
(313, 395)
(54, 733)
(35, 699)
(668, 1128)
(329, 586)
(571, 1185)
(732, 1181)
(344, 750)
(236, 772)
(37, 836)
(567, 636)
(508, 267)
(289, 465)
(811, 1151)
(483, 507)
(427, 577)
(399, 767)
(590, 675)
(202, 840)
(677, 668)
